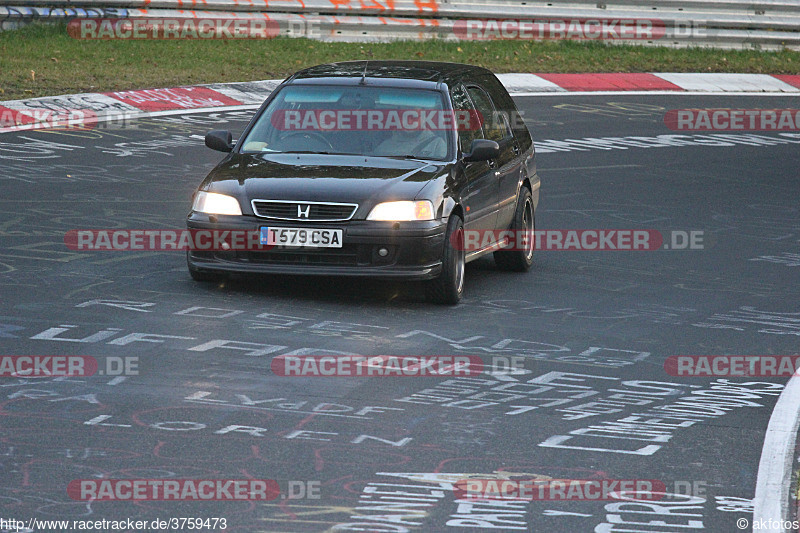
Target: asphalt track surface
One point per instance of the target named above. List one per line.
(590, 327)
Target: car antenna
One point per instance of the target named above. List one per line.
(363, 80)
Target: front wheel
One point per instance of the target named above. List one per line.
(520, 258)
(449, 286)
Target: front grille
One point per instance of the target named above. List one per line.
(348, 255)
(317, 211)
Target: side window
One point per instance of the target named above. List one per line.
(504, 102)
(504, 125)
(494, 126)
(462, 103)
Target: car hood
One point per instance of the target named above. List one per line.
(321, 178)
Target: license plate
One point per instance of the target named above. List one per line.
(302, 237)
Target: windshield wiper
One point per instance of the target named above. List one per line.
(316, 152)
(407, 156)
(304, 152)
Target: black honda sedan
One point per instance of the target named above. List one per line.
(390, 169)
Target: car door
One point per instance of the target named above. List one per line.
(508, 166)
(480, 197)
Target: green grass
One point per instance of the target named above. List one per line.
(41, 60)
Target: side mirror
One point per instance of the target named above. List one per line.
(482, 150)
(219, 140)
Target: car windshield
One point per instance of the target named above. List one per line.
(365, 121)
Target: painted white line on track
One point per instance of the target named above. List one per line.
(777, 458)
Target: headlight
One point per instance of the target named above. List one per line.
(402, 211)
(216, 204)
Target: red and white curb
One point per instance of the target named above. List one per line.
(127, 105)
(648, 82)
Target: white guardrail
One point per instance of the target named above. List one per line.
(764, 24)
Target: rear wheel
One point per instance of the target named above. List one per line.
(520, 258)
(449, 286)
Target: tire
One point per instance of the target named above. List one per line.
(520, 260)
(204, 275)
(449, 286)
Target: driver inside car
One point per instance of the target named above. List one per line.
(418, 144)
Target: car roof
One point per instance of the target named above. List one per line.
(423, 74)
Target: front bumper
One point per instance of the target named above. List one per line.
(415, 249)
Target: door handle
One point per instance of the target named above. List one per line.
(515, 147)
